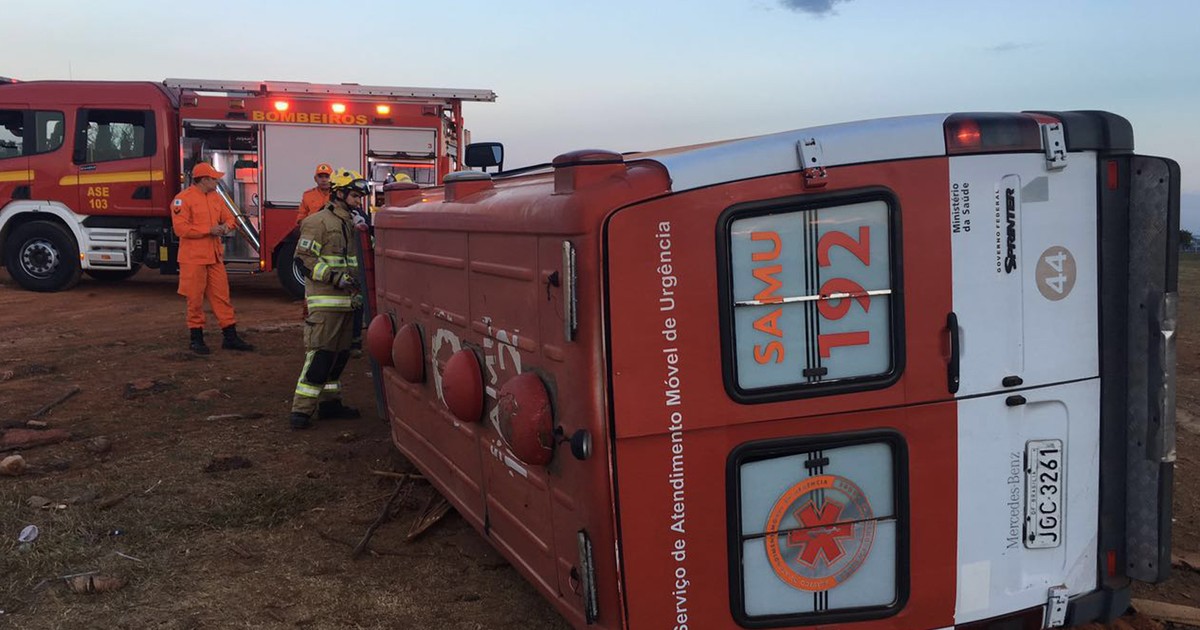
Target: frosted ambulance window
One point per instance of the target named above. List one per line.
(818, 530)
(812, 296)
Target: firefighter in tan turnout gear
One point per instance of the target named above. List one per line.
(325, 255)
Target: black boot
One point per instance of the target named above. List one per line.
(299, 421)
(232, 341)
(197, 344)
(335, 410)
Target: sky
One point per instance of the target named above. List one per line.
(633, 75)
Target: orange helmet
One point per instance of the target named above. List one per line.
(323, 169)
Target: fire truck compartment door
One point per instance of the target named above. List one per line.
(1028, 502)
(1023, 243)
(291, 154)
(116, 163)
(406, 142)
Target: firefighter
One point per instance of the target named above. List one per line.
(200, 218)
(325, 255)
(316, 197)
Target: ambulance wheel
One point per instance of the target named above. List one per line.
(285, 267)
(42, 256)
(113, 275)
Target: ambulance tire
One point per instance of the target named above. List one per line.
(113, 275)
(285, 268)
(42, 256)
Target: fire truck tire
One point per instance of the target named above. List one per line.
(42, 256)
(289, 276)
(113, 275)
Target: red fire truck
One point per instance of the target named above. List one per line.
(904, 373)
(96, 201)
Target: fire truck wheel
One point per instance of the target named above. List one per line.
(289, 276)
(113, 275)
(42, 256)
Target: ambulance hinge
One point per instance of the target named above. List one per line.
(812, 163)
(1055, 143)
(1056, 607)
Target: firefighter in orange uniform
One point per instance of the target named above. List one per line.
(200, 219)
(316, 197)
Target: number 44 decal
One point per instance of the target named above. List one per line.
(1055, 273)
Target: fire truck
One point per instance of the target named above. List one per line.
(904, 373)
(95, 201)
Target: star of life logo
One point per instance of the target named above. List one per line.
(820, 533)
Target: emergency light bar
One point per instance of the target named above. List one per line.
(340, 89)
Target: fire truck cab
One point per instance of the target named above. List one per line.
(88, 168)
(904, 373)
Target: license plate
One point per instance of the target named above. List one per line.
(1044, 500)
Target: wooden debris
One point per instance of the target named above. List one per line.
(13, 439)
(383, 516)
(396, 475)
(1173, 613)
(48, 406)
(436, 508)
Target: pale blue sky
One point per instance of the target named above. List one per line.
(629, 75)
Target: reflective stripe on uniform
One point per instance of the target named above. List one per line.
(320, 271)
(334, 386)
(339, 262)
(329, 301)
(302, 388)
(308, 391)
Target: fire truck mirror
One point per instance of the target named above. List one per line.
(485, 154)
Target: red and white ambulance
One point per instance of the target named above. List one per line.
(903, 373)
(95, 200)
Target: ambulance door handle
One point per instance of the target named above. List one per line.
(952, 366)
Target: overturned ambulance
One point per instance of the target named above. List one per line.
(903, 373)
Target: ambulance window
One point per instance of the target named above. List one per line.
(810, 299)
(12, 133)
(115, 135)
(49, 128)
(820, 528)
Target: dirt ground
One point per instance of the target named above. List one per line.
(242, 523)
(215, 523)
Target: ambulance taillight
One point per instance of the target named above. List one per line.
(991, 133)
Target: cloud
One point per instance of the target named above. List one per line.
(819, 8)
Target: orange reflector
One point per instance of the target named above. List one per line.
(1113, 181)
(338, 108)
(383, 110)
(1112, 563)
(237, 104)
(281, 106)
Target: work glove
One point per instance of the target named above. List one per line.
(344, 280)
